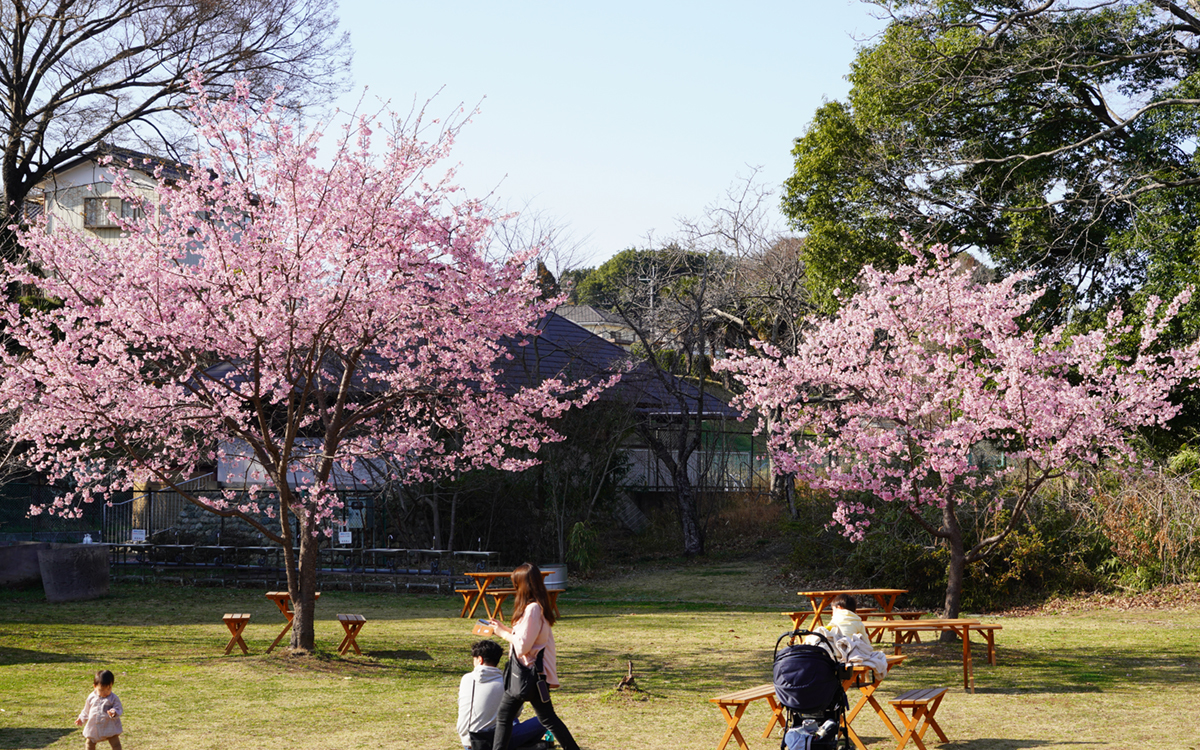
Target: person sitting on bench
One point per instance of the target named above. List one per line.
(845, 617)
(479, 694)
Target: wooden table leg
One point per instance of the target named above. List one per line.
(869, 691)
(849, 719)
(819, 604)
(968, 677)
(282, 633)
(777, 717)
(798, 618)
(868, 697)
(732, 731)
(887, 606)
(480, 597)
(990, 635)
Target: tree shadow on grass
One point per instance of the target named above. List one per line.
(1071, 668)
(14, 738)
(996, 743)
(10, 655)
(405, 655)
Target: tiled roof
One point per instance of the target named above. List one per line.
(588, 314)
(127, 158)
(567, 349)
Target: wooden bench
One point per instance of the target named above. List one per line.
(352, 624)
(738, 702)
(896, 614)
(908, 614)
(923, 705)
(236, 624)
(468, 596)
(865, 613)
(988, 631)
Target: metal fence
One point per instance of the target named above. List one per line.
(152, 511)
(18, 523)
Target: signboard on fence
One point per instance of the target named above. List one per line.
(137, 535)
(345, 537)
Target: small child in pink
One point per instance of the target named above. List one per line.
(101, 714)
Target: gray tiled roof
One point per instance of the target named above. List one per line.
(567, 349)
(588, 314)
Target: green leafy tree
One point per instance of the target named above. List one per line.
(1054, 136)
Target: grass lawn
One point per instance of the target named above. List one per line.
(1083, 678)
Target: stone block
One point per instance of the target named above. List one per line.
(71, 572)
(19, 564)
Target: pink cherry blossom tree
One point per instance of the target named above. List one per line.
(310, 321)
(903, 393)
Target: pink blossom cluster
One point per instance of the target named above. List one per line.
(899, 392)
(267, 301)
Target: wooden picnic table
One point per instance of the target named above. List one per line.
(483, 580)
(904, 631)
(867, 681)
(864, 678)
(283, 600)
(820, 601)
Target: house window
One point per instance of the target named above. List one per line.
(100, 213)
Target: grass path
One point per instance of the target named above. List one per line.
(1087, 679)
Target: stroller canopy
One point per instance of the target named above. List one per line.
(806, 677)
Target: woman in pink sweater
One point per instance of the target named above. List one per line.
(530, 633)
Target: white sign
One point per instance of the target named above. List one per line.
(138, 535)
(345, 537)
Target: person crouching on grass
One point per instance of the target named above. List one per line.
(101, 714)
(479, 693)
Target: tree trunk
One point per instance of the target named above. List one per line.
(783, 486)
(303, 590)
(783, 491)
(955, 569)
(689, 518)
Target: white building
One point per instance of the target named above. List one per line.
(80, 193)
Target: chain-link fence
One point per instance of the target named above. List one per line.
(17, 523)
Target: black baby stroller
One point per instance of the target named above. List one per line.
(808, 684)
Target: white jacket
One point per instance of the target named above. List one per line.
(479, 694)
(847, 623)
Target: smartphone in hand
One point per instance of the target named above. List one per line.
(483, 627)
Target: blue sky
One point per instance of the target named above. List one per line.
(611, 119)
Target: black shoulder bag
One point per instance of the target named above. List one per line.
(522, 682)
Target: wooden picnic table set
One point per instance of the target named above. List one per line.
(237, 621)
(916, 709)
(484, 590)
